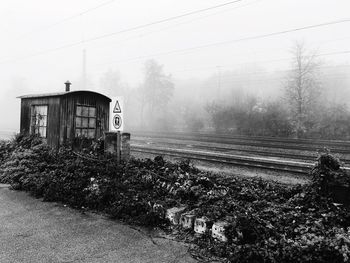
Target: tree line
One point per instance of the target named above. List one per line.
(302, 109)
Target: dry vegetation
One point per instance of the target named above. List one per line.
(269, 222)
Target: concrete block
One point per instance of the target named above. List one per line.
(218, 230)
(202, 225)
(187, 220)
(112, 144)
(159, 210)
(125, 146)
(174, 214)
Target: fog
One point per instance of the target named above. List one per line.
(214, 53)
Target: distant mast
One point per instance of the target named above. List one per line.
(84, 79)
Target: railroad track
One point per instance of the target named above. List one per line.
(312, 157)
(229, 159)
(315, 142)
(223, 152)
(275, 144)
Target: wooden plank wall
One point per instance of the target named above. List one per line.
(61, 115)
(68, 107)
(53, 120)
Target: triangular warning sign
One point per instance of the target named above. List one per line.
(117, 108)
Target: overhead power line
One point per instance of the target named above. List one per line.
(183, 23)
(250, 38)
(190, 48)
(255, 72)
(67, 19)
(265, 61)
(184, 50)
(131, 28)
(263, 80)
(163, 20)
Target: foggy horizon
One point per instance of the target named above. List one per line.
(212, 49)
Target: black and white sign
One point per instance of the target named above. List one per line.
(117, 121)
(116, 114)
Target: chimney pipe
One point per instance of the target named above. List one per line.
(67, 83)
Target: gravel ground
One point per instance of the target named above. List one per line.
(36, 231)
(227, 170)
(234, 149)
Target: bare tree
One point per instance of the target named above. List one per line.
(302, 88)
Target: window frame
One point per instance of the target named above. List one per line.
(33, 127)
(89, 128)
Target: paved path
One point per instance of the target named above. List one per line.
(35, 231)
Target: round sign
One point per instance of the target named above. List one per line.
(117, 121)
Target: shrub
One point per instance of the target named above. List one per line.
(269, 222)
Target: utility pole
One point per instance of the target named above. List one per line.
(84, 69)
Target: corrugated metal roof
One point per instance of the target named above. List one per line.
(58, 94)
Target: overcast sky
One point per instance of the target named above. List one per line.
(42, 41)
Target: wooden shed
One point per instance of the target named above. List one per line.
(64, 116)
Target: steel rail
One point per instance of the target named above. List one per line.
(255, 162)
(249, 151)
(254, 138)
(276, 144)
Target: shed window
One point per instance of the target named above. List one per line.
(85, 121)
(39, 120)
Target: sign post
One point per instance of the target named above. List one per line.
(116, 143)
